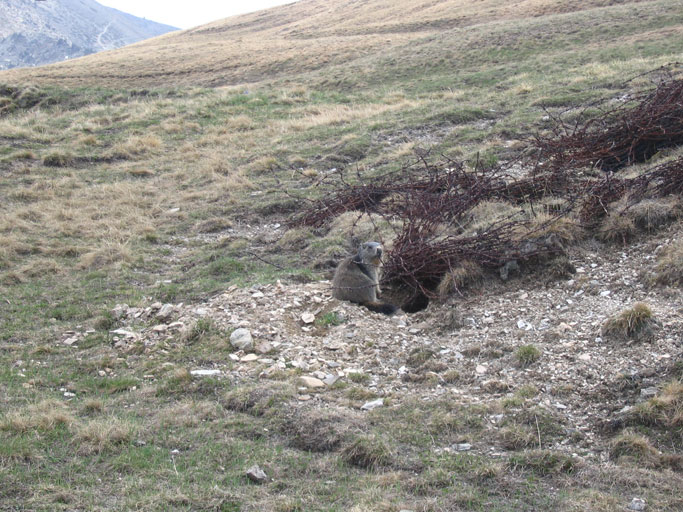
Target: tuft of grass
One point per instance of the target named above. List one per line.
(664, 410)
(46, 415)
(101, 435)
(467, 273)
(669, 269)
(367, 452)
(259, 401)
(636, 323)
(359, 378)
(527, 355)
(419, 356)
(634, 448)
(330, 319)
(543, 462)
(58, 159)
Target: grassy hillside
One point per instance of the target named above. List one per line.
(168, 170)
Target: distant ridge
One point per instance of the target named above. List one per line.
(33, 32)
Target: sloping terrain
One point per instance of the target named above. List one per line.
(313, 34)
(145, 217)
(35, 33)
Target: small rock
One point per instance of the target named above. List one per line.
(264, 348)
(463, 447)
(123, 332)
(605, 293)
(637, 504)
(257, 475)
(241, 339)
(304, 398)
(249, 358)
(165, 312)
(563, 327)
(308, 318)
(160, 328)
(205, 373)
(480, 369)
(330, 379)
(311, 382)
(648, 392)
(585, 357)
(369, 406)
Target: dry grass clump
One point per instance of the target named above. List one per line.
(487, 214)
(635, 448)
(516, 437)
(100, 435)
(467, 273)
(104, 256)
(58, 159)
(264, 165)
(543, 462)
(527, 355)
(669, 269)
(241, 123)
(664, 411)
(295, 238)
(624, 219)
(368, 452)
(616, 228)
(258, 401)
(636, 323)
(565, 228)
(45, 415)
(135, 146)
(187, 413)
(317, 431)
(355, 227)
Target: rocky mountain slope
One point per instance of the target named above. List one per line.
(41, 32)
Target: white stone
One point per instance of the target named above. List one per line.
(241, 339)
(257, 475)
(637, 504)
(369, 406)
(205, 373)
(311, 382)
(308, 318)
(165, 312)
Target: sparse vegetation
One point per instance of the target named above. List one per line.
(636, 323)
(669, 269)
(527, 355)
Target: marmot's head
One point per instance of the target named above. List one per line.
(370, 252)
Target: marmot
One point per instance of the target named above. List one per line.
(357, 279)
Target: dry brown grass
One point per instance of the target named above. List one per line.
(45, 415)
(665, 410)
(669, 269)
(247, 48)
(466, 274)
(636, 323)
(102, 434)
